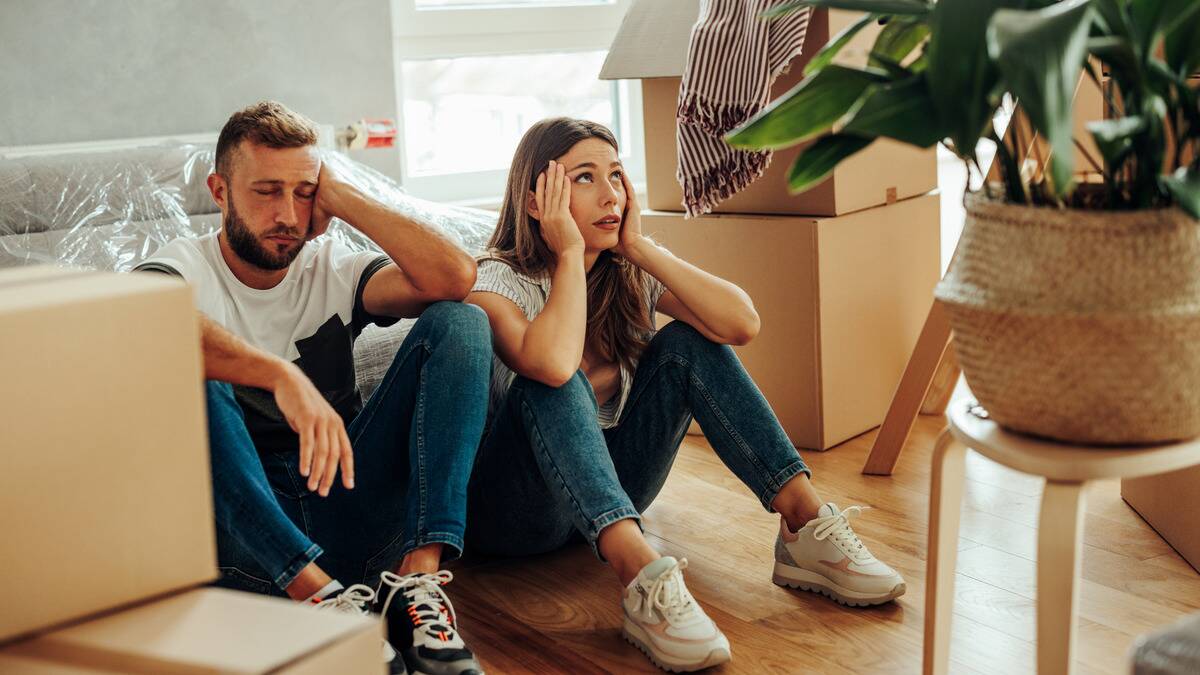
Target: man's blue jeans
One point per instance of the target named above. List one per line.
(414, 443)
(546, 469)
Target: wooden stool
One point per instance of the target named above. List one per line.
(1067, 469)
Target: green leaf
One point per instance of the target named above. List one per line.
(1114, 137)
(1112, 17)
(894, 70)
(899, 110)
(831, 50)
(961, 76)
(1118, 53)
(1184, 186)
(897, 40)
(1040, 54)
(1182, 41)
(1151, 19)
(916, 7)
(820, 158)
(809, 109)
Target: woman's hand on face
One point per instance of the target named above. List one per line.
(553, 198)
(631, 223)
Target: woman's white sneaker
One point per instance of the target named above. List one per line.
(826, 557)
(663, 620)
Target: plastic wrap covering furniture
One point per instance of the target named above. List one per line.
(1172, 650)
(111, 209)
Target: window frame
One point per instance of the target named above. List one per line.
(456, 32)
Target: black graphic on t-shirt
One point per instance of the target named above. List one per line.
(327, 358)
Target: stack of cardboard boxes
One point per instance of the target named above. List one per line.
(842, 275)
(106, 500)
(1170, 502)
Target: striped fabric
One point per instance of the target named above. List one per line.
(530, 294)
(733, 58)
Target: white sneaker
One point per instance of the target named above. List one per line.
(826, 557)
(356, 600)
(663, 620)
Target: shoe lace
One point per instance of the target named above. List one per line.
(356, 600)
(838, 527)
(353, 600)
(670, 596)
(429, 608)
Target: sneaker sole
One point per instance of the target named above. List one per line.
(637, 637)
(805, 580)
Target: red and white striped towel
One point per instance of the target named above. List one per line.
(733, 58)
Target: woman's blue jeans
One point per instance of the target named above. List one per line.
(414, 443)
(546, 469)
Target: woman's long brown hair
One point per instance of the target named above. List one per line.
(619, 322)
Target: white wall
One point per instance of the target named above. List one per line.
(80, 70)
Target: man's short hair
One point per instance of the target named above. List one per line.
(268, 123)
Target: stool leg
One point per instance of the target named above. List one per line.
(1060, 545)
(945, 509)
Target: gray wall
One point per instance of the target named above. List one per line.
(79, 70)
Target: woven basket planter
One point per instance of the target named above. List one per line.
(1081, 326)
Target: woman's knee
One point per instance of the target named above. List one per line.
(681, 338)
(459, 320)
(575, 392)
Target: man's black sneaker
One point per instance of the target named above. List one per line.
(421, 624)
(357, 600)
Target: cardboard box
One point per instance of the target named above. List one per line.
(23, 665)
(1088, 106)
(652, 44)
(1170, 503)
(841, 299)
(214, 630)
(105, 498)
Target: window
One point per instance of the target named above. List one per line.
(467, 114)
(482, 4)
(473, 75)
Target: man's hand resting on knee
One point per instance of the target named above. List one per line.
(324, 445)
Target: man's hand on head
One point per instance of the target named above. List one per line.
(332, 200)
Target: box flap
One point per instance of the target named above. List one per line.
(13, 663)
(205, 630)
(14, 276)
(652, 40)
(50, 288)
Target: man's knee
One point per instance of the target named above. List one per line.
(220, 401)
(214, 389)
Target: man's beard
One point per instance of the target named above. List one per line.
(247, 246)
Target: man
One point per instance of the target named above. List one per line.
(280, 310)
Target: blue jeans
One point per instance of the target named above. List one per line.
(414, 443)
(546, 469)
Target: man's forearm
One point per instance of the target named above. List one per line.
(428, 258)
(228, 358)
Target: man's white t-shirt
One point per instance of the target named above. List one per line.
(311, 318)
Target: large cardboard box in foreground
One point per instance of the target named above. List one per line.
(841, 300)
(652, 45)
(214, 630)
(12, 664)
(1170, 503)
(105, 497)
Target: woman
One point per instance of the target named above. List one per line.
(589, 404)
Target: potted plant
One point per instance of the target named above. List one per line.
(1075, 305)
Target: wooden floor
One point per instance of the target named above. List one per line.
(560, 612)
